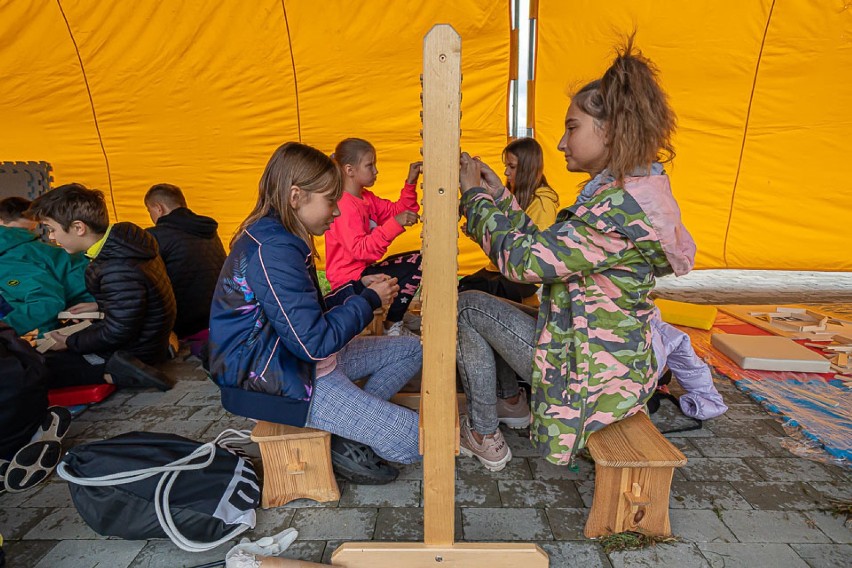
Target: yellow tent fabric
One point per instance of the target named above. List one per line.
(120, 95)
(764, 101)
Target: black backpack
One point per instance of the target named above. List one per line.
(23, 391)
(143, 485)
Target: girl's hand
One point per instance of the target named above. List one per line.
(386, 289)
(414, 171)
(407, 218)
(469, 173)
(490, 180)
(370, 278)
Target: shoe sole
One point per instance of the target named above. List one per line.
(359, 478)
(515, 423)
(34, 462)
(489, 465)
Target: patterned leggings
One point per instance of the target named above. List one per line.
(340, 407)
(405, 268)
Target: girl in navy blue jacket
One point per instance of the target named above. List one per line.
(282, 352)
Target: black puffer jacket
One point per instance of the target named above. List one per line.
(194, 256)
(129, 283)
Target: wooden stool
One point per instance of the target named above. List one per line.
(377, 326)
(296, 464)
(634, 465)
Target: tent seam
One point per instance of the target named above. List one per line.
(745, 134)
(92, 106)
(293, 65)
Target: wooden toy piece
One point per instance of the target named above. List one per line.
(769, 353)
(634, 465)
(690, 315)
(80, 316)
(296, 464)
(43, 345)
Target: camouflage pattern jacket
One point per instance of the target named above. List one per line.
(594, 363)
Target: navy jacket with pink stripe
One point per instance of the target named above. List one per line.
(270, 324)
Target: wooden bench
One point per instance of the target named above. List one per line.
(296, 464)
(634, 465)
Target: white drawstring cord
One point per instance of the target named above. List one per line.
(164, 485)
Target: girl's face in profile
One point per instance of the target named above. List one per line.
(583, 143)
(365, 172)
(315, 210)
(511, 167)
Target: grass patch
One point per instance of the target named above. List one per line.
(632, 541)
(838, 507)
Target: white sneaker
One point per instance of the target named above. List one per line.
(398, 329)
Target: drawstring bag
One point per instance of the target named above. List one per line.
(143, 485)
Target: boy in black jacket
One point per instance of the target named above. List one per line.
(128, 280)
(193, 254)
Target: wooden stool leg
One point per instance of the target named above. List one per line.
(297, 469)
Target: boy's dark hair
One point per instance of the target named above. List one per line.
(167, 194)
(13, 209)
(72, 202)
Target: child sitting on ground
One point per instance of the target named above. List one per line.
(368, 224)
(128, 280)
(37, 280)
(193, 253)
(282, 352)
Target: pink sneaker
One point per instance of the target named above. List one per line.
(514, 415)
(493, 452)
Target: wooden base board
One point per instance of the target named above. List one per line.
(417, 555)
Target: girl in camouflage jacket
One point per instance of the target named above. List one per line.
(594, 361)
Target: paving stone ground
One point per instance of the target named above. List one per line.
(743, 499)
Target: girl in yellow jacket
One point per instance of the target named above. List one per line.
(525, 179)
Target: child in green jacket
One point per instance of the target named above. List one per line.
(37, 280)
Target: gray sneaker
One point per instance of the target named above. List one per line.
(514, 415)
(493, 452)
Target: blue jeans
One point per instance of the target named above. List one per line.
(340, 407)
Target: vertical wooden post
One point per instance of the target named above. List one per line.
(441, 132)
(438, 409)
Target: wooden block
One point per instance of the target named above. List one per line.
(769, 353)
(44, 345)
(634, 465)
(80, 316)
(690, 315)
(296, 464)
(72, 329)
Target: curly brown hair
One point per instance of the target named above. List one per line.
(633, 111)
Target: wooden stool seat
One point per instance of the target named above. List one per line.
(634, 465)
(296, 464)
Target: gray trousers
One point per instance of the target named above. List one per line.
(496, 341)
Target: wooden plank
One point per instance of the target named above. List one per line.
(633, 442)
(269, 431)
(418, 555)
(441, 151)
(743, 312)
